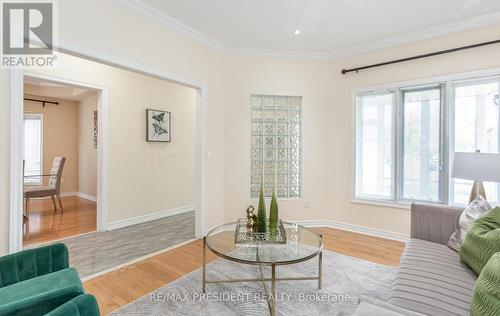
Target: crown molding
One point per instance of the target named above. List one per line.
(150, 12)
(449, 28)
(279, 53)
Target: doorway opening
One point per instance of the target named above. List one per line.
(59, 160)
(140, 180)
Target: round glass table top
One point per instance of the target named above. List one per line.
(301, 244)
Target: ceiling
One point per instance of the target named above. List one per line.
(335, 27)
(48, 89)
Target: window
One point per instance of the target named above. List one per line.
(406, 137)
(420, 174)
(33, 148)
(276, 145)
(375, 145)
(476, 119)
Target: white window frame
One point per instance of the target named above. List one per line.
(447, 134)
(37, 116)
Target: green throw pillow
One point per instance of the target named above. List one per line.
(482, 241)
(486, 295)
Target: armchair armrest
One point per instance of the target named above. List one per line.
(27, 264)
(83, 305)
(433, 223)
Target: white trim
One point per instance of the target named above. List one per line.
(150, 217)
(136, 260)
(396, 86)
(201, 119)
(146, 10)
(453, 27)
(201, 115)
(39, 116)
(354, 228)
(17, 109)
(347, 227)
(16, 161)
(15, 231)
(102, 151)
(157, 15)
(86, 196)
(429, 80)
(391, 204)
(279, 53)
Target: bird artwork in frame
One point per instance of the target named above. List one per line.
(158, 126)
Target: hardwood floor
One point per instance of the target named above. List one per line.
(122, 286)
(44, 224)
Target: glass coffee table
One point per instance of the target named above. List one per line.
(301, 245)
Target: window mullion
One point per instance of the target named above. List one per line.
(445, 152)
(398, 123)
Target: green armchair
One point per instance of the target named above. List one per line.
(39, 281)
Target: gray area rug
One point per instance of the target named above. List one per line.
(99, 251)
(344, 280)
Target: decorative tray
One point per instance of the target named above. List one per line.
(244, 236)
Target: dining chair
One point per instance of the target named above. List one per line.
(53, 189)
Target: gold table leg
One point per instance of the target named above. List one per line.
(320, 270)
(203, 282)
(273, 289)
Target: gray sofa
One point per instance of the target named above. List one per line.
(431, 279)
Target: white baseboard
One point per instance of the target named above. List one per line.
(79, 194)
(355, 228)
(150, 217)
(86, 196)
(349, 227)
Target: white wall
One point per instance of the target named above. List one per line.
(229, 79)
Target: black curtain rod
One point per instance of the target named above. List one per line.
(446, 51)
(41, 101)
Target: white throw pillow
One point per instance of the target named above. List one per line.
(473, 211)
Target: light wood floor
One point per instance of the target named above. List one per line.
(79, 217)
(122, 286)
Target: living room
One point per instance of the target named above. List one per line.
(367, 157)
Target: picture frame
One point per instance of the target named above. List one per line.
(158, 126)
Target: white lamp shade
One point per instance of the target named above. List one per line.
(476, 166)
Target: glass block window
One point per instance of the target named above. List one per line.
(276, 153)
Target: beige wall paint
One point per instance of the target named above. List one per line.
(384, 218)
(144, 177)
(60, 137)
(146, 42)
(87, 153)
(182, 57)
(310, 79)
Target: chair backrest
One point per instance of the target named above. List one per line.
(57, 170)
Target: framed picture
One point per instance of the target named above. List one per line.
(157, 126)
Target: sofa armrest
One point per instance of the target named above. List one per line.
(27, 264)
(82, 305)
(372, 307)
(433, 223)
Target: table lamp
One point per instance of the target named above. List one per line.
(478, 167)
